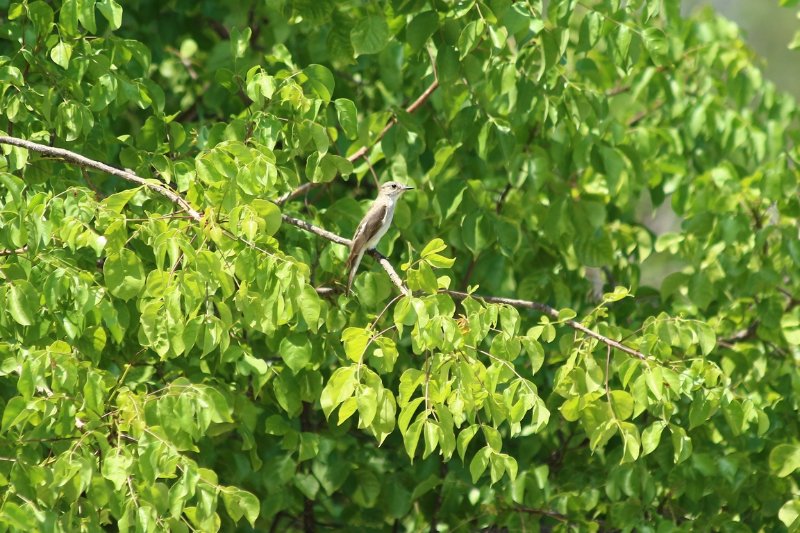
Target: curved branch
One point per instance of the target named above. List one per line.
(85, 162)
(361, 152)
(553, 313)
(410, 109)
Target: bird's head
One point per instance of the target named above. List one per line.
(392, 189)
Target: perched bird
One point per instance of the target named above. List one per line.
(373, 226)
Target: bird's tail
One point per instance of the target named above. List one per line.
(353, 260)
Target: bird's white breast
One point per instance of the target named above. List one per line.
(384, 227)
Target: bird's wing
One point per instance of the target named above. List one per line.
(369, 225)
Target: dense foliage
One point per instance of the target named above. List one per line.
(160, 371)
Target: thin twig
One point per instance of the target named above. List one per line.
(468, 274)
(91, 184)
(553, 313)
(502, 199)
(14, 252)
(374, 175)
(416, 104)
(634, 120)
(72, 157)
(392, 121)
(543, 512)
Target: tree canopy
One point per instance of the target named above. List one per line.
(179, 181)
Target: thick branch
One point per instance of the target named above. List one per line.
(72, 157)
(361, 152)
(553, 313)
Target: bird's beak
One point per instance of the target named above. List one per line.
(407, 188)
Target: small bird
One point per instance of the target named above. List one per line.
(373, 226)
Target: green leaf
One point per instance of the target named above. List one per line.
(271, 214)
(339, 388)
(656, 44)
(464, 438)
(11, 74)
(442, 157)
(407, 413)
(307, 485)
(86, 15)
(116, 468)
(124, 274)
(790, 326)
(367, 401)
(434, 246)
(421, 28)
(789, 513)
(631, 442)
(347, 409)
(61, 54)
(296, 351)
(23, 303)
(112, 11)
(475, 232)
(784, 459)
(470, 37)
(117, 202)
(329, 166)
(355, 343)
(479, 463)
(41, 15)
(411, 436)
(68, 18)
(15, 412)
(652, 436)
(622, 404)
(240, 503)
(681, 444)
(348, 117)
(795, 44)
(321, 81)
(240, 41)
(370, 35)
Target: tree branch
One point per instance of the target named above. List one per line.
(14, 252)
(527, 304)
(325, 234)
(542, 512)
(338, 239)
(410, 109)
(82, 161)
(553, 313)
(361, 152)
